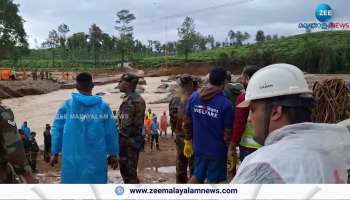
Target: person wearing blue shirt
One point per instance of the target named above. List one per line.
(208, 125)
(155, 132)
(26, 130)
(85, 132)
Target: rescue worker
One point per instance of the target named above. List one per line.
(34, 149)
(26, 130)
(172, 122)
(131, 117)
(163, 124)
(155, 133)
(41, 75)
(177, 107)
(148, 127)
(242, 132)
(25, 142)
(35, 74)
(24, 75)
(232, 91)
(84, 131)
(47, 143)
(295, 150)
(208, 125)
(46, 75)
(13, 161)
(150, 114)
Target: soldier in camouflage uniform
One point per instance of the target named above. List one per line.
(14, 166)
(130, 119)
(177, 106)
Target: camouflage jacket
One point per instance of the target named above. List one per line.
(177, 110)
(173, 109)
(131, 116)
(12, 156)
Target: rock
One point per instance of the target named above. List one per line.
(161, 180)
(100, 93)
(173, 78)
(163, 86)
(115, 91)
(166, 88)
(161, 91)
(164, 100)
(142, 81)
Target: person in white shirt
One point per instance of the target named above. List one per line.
(295, 150)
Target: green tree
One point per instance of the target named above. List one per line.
(232, 37)
(95, 41)
(12, 33)
(211, 41)
(237, 38)
(138, 47)
(63, 29)
(157, 46)
(201, 42)
(170, 48)
(268, 37)
(188, 37)
(217, 44)
(260, 36)
(124, 19)
(77, 43)
(241, 37)
(52, 42)
(246, 36)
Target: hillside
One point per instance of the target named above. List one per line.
(321, 52)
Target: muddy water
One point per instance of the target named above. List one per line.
(39, 110)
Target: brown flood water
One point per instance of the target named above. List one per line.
(39, 110)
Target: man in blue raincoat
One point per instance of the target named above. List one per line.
(85, 132)
(26, 130)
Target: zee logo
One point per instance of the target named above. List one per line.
(323, 12)
(119, 190)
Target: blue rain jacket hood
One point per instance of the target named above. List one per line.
(27, 132)
(85, 132)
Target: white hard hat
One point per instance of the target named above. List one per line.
(275, 80)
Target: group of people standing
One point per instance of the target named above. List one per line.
(153, 128)
(268, 122)
(266, 117)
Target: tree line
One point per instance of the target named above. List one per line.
(99, 46)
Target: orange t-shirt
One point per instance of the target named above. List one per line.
(148, 126)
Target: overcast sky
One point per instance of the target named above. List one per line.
(159, 19)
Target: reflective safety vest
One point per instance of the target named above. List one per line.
(150, 115)
(247, 139)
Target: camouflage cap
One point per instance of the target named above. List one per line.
(131, 78)
(186, 79)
